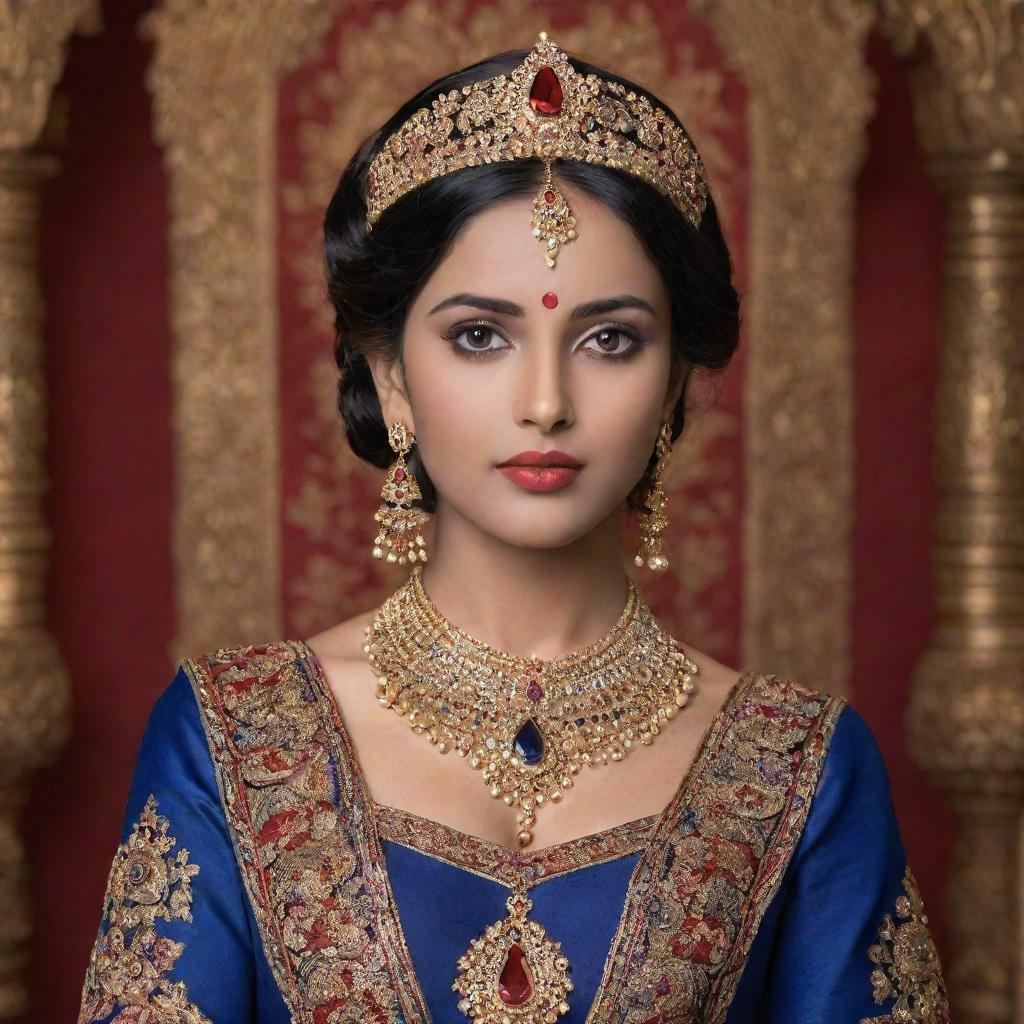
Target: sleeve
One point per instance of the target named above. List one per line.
(175, 941)
(852, 944)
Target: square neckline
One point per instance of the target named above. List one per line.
(640, 881)
(649, 822)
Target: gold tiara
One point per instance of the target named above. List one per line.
(547, 109)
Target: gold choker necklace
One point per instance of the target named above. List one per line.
(528, 725)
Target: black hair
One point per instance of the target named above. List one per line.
(373, 278)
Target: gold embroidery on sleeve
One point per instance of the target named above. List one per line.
(129, 960)
(908, 965)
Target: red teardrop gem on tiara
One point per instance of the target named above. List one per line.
(546, 93)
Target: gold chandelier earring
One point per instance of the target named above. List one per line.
(654, 523)
(399, 539)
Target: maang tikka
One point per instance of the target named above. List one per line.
(399, 539)
(544, 109)
(654, 523)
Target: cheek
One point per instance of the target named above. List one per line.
(453, 404)
(622, 412)
(627, 451)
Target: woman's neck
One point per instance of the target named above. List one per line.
(528, 601)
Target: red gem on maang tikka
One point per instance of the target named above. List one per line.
(550, 299)
(546, 93)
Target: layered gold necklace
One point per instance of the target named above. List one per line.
(528, 725)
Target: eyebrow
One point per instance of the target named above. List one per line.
(582, 311)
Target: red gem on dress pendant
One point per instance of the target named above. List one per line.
(533, 691)
(515, 985)
(550, 299)
(546, 92)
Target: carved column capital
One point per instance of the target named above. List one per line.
(967, 72)
(33, 37)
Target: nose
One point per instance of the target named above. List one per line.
(543, 396)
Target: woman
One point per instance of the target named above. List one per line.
(526, 270)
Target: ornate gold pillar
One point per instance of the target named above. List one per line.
(965, 722)
(34, 688)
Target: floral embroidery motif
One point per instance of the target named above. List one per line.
(909, 970)
(711, 871)
(295, 808)
(129, 961)
(306, 835)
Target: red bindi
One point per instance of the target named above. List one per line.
(550, 300)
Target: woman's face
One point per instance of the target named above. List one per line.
(484, 384)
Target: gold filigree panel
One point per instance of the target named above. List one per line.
(214, 80)
(376, 68)
(811, 94)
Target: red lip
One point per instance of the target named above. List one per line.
(540, 478)
(534, 458)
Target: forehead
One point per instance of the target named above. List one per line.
(497, 253)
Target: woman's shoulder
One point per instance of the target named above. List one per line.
(852, 781)
(762, 694)
(850, 743)
(214, 689)
(852, 754)
(244, 664)
(221, 659)
(776, 711)
(341, 642)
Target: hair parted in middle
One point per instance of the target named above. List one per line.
(374, 277)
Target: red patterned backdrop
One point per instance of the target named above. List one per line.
(105, 263)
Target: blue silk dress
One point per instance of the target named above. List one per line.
(257, 881)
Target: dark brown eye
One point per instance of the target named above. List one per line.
(609, 339)
(478, 334)
(479, 340)
(610, 342)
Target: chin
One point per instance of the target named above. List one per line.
(549, 529)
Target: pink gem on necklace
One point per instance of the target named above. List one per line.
(533, 691)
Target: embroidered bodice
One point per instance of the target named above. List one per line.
(772, 888)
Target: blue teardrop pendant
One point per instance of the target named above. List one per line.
(529, 742)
